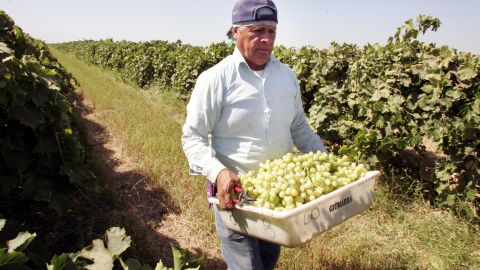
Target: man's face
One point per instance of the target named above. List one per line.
(256, 43)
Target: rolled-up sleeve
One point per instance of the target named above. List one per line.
(203, 112)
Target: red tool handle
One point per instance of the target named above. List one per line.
(238, 189)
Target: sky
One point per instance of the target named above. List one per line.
(202, 22)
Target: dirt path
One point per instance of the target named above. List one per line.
(143, 204)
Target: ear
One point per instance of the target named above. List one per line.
(234, 32)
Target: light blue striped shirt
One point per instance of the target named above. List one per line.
(237, 119)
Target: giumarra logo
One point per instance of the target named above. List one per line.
(340, 204)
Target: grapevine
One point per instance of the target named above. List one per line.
(377, 103)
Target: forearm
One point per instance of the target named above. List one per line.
(302, 135)
(307, 141)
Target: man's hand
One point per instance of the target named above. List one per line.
(226, 180)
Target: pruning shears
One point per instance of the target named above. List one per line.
(241, 195)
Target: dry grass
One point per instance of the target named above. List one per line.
(140, 133)
(393, 234)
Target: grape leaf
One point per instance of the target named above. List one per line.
(12, 260)
(466, 73)
(28, 115)
(62, 262)
(20, 242)
(104, 256)
(40, 95)
(117, 240)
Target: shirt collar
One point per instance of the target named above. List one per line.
(240, 60)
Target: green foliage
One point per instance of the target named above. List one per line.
(173, 65)
(100, 255)
(315, 68)
(397, 95)
(103, 254)
(11, 253)
(41, 158)
(372, 103)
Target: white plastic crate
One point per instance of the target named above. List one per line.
(294, 227)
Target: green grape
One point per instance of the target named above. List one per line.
(293, 180)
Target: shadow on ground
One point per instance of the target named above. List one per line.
(130, 198)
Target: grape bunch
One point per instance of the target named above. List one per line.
(293, 180)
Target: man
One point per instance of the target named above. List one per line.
(243, 111)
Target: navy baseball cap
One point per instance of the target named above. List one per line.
(246, 11)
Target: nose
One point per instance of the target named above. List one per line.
(267, 36)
